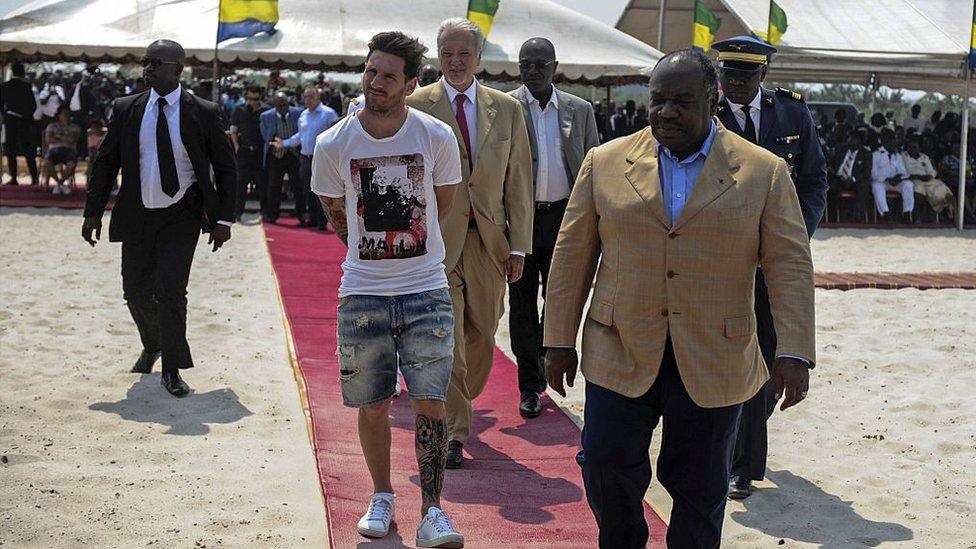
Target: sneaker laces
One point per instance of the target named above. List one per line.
(379, 509)
(441, 522)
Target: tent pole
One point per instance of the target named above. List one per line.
(661, 8)
(215, 93)
(963, 151)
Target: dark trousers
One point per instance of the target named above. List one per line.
(20, 143)
(249, 172)
(751, 445)
(693, 465)
(316, 217)
(276, 170)
(155, 272)
(524, 320)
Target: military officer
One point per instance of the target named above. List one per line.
(780, 122)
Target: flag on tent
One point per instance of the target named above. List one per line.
(482, 13)
(777, 23)
(704, 27)
(972, 42)
(243, 18)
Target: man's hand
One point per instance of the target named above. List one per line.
(791, 377)
(561, 362)
(218, 235)
(278, 143)
(92, 224)
(513, 268)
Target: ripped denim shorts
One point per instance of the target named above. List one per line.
(377, 334)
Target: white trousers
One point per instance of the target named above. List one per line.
(906, 188)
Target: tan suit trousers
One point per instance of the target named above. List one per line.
(478, 292)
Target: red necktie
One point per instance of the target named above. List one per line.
(462, 121)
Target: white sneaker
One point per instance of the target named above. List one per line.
(65, 189)
(56, 189)
(436, 530)
(380, 514)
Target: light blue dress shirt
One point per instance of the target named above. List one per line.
(678, 176)
(310, 125)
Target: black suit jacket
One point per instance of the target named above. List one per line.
(16, 97)
(202, 130)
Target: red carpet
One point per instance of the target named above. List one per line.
(522, 490)
(36, 196)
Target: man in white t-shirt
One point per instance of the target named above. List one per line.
(385, 176)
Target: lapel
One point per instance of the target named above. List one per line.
(523, 97)
(643, 175)
(727, 118)
(187, 115)
(486, 115)
(567, 113)
(440, 108)
(134, 124)
(714, 179)
(767, 119)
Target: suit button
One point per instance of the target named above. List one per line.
(672, 274)
(664, 312)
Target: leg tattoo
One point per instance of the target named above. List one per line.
(431, 442)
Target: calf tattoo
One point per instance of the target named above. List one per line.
(335, 210)
(431, 442)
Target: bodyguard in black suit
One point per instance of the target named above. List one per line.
(17, 105)
(166, 142)
(780, 123)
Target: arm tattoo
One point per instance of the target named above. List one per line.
(431, 443)
(335, 209)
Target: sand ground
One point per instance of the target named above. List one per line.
(94, 456)
(881, 453)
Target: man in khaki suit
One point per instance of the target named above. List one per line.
(677, 217)
(489, 230)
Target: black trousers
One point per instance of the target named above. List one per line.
(316, 217)
(276, 170)
(249, 172)
(20, 143)
(524, 320)
(693, 465)
(155, 272)
(751, 445)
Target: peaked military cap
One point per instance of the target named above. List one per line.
(743, 49)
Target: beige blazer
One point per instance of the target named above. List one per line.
(694, 280)
(499, 189)
(577, 126)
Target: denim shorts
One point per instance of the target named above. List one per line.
(376, 334)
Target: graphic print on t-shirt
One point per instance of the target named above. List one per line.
(391, 206)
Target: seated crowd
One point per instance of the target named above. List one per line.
(874, 166)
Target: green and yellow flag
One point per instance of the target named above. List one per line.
(777, 23)
(704, 27)
(482, 13)
(972, 42)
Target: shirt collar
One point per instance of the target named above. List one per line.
(172, 97)
(533, 101)
(706, 147)
(755, 104)
(452, 92)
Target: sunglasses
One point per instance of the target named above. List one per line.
(537, 65)
(155, 62)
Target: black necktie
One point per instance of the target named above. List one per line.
(164, 152)
(750, 131)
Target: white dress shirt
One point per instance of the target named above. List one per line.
(755, 112)
(885, 164)
(551, 182)
(470, 112)
(152, 187)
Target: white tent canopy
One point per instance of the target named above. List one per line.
(916, 44)
(318, 34)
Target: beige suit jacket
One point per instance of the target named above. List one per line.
(499, 188)
(694, 280)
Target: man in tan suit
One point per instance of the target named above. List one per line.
(489, 230)
(677, 217)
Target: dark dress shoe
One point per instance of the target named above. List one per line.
(454, 458)
(172, 382)
(145, 362)
(740, 488)
(531, 405)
